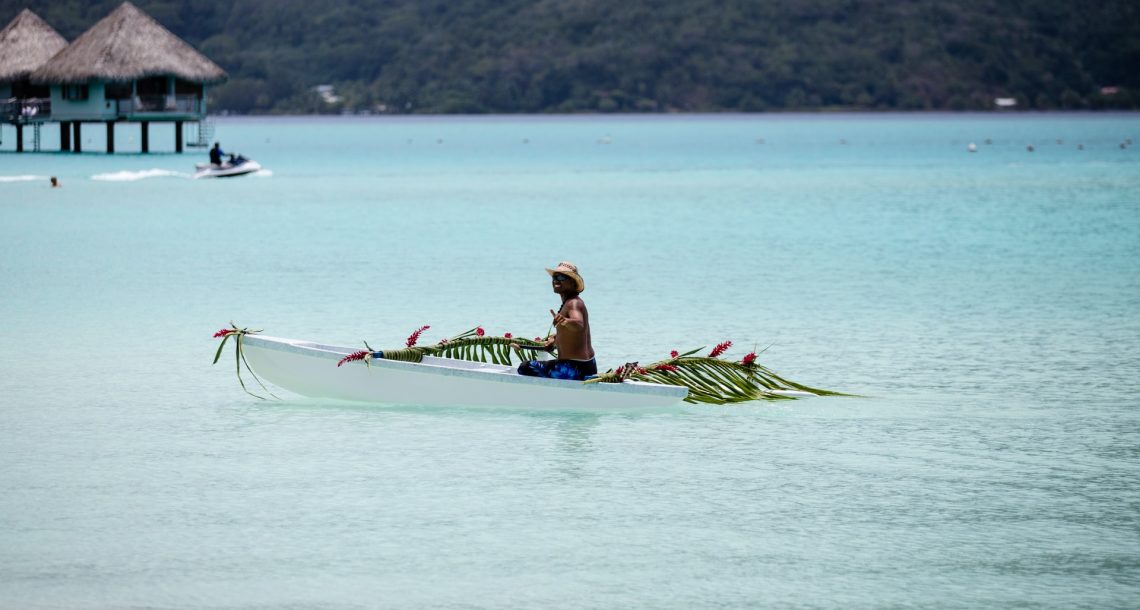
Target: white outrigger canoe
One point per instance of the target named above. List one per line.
(310, 369)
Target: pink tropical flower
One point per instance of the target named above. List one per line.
(668, 368)
(507, 335)
(537, 339)
(416, 336)
(354, 356)
(479, 332)
(720, 349)
(626, 370)
(674, 354)
(749, 359)
(224, 332)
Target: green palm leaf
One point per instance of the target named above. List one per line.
(239, 358)
(714, 380)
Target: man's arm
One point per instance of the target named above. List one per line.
(572, 320)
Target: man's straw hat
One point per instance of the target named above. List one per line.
(571, 270)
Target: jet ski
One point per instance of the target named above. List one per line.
(237, 165)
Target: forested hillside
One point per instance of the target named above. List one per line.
(471, 56)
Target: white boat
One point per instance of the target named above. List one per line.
(236, 166)
(310, 369)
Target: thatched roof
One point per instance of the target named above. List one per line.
(126, 45)
(26, 44)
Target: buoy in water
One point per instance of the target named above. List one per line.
(972, 147)
(1029, 148)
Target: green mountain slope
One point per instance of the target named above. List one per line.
(650, 55)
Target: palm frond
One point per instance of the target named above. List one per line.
(239, 356)
(496, 350)
(712, 380)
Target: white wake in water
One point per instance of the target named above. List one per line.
(263, 173)
(129, 176)
(27, 178)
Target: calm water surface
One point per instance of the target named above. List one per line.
(986, 307)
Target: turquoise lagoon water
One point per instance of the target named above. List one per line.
(985, 306)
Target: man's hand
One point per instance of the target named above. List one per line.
(572, 318)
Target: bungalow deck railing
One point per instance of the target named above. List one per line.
(160, 104)
(25, 110)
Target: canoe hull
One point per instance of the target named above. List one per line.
(310, 369)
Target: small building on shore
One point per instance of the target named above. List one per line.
(125, 68)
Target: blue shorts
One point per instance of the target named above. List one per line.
(576, 370)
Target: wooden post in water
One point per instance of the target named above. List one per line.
(78, 137)
(19, 138)
(65, 136)
(145, 135)
(110, 137)
(177, 136)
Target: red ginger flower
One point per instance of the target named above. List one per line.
(507, 335)
(224, 332)
(668, 368)
(416, 336)
(537, 339)
(479, 331)
(674, 354)
(749, 359)
(629, 368)
(354, 356)
(720, 349)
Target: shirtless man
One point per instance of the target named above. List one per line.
(571, 331)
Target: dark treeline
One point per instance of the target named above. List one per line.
(507, 56)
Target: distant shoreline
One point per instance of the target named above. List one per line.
(668, 116)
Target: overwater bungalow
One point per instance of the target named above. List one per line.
(25, 44)
(126, 68)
